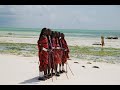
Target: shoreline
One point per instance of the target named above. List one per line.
(72, 41)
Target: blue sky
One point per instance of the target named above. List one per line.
(101, 17)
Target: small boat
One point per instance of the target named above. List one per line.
(112, 38)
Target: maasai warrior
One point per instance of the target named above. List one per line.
(65, 55)
(49, 32)
(55, 46)
(58, 49)
(53, 50)
(61, 51)
(43, 54)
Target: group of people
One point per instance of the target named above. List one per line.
(53, 53)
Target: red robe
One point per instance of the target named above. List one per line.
(50, 58)
(43, 55)
(58, 51)
(65, 55)
(57, 58)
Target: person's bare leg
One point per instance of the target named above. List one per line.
(57, 74)
(63, 70)
(41, 75)
(60, 71)
(45, 72)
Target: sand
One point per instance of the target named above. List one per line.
(17, 70)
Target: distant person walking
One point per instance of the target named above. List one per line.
(102, 41)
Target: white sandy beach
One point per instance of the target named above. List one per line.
(20, 70)
(17, 70)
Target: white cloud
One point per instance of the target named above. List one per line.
(25, 9)
(57, 16)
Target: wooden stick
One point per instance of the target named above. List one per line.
(70, 68)
(66, 71)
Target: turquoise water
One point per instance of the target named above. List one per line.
(67, 32)
(91, 33)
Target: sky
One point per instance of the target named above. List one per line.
(98, 17)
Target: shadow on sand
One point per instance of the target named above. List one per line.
(31, 81)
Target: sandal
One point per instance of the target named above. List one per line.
(42, 78)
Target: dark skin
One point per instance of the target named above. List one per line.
(57, 34)
(49, 32)
(53, 34)
(62, 35)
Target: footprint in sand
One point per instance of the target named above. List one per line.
(83, 66)
(89, 63)
(95, 67)
(76, 62)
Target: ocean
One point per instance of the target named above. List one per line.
(68, 32)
